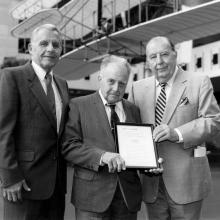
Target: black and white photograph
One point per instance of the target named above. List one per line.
(109, 109)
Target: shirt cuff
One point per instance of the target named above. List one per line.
(179, 135)
(101, 162)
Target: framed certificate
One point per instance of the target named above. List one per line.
(136, 145)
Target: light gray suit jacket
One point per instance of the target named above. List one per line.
(187, 178)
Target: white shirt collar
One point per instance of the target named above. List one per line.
(170, 81)
(118, 104)
(41, 73)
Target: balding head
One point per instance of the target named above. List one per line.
(113, 78)
(160, 39)
(119, 61)
(161, 57)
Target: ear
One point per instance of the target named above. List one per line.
(61, 49)
(99, 77)
(30, 48)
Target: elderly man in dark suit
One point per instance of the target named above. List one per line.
(183, 108)
(102, 187)
(32, 114)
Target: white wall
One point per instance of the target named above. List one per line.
(8, 44)
(206, 53)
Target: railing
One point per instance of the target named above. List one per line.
(86, 20)
(85, 23)
(28, 8)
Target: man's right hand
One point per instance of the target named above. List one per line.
(114, 162)
(163, 132)
(13, 193)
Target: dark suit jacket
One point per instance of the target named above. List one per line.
(187, 178)
(29, 143)
(87, 136)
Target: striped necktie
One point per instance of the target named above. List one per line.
(160, 105)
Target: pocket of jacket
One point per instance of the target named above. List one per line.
(84, 174)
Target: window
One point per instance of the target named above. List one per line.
(135, 77)
(199, 62)
(87, 78)
(184, 66)
(23, 45)
(215, 59)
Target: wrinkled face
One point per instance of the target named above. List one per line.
(45, 48)
(161, 59)
(113, 81)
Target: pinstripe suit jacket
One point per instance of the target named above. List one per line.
(88, 135)
(29, 143)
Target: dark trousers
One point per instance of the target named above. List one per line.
(164, 208)
(116, 211)
(49, 209)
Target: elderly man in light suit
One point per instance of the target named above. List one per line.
(190, 118)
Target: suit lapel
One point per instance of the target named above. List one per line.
(100, 111)
(64, 100)
(149, 101)
(39, 93)
(127, 112)
(178, 88)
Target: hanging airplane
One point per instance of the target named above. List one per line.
(77, 20)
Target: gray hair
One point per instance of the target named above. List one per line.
(117, 60)
(172, 46)
(49, 27)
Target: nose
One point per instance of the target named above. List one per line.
(115, 87)
(50, 47)
(159, 59)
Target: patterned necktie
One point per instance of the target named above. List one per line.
(50, 93)
(161, 104)
(113, 118)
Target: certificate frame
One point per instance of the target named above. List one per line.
(130, 141)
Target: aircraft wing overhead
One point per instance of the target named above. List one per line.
(196, 22)
(83, 12)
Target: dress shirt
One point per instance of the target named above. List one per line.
(118, 109)
(168, 86)
(41, 73)
(168, 90)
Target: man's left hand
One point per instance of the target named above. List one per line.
(158, 170)
(164, 132)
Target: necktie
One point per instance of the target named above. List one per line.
(113, 118)
(50, 93)
(161, 104)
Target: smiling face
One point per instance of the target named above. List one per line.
(113, 81)
(45, 48)
(161, 58)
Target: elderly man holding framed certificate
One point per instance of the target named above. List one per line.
(136, 145)
(103, 187)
